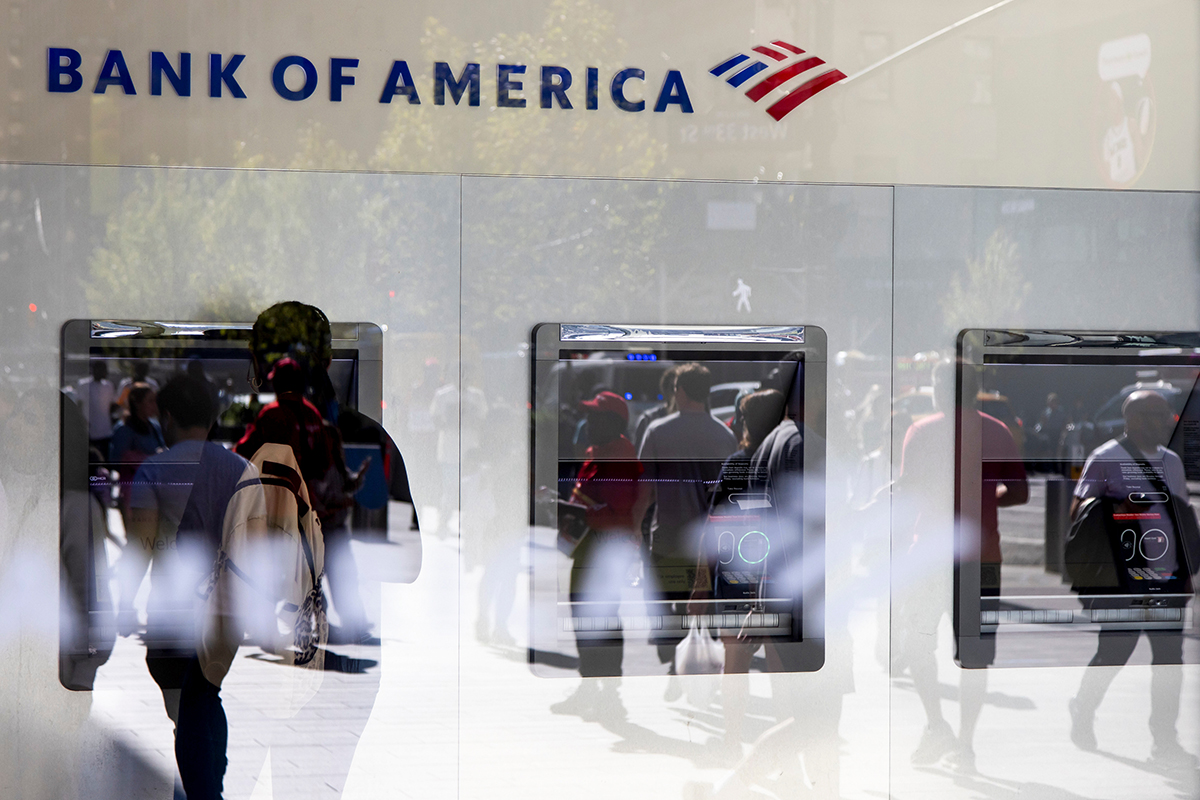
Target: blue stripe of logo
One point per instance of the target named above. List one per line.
(720, 69)
(748, 73)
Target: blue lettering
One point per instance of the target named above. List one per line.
(504, 86)
(469, 79)
(400, 82)
(218, 75)
(337, 79)
(114, 72)
(673, 91)
(56, 69)
(181, 81)
(281, 87)
(593, 88)
(555, 90)
(618, 89)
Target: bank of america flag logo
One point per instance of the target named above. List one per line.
(791, 65)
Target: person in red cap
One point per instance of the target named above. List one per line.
(611, 456)
(607, 486)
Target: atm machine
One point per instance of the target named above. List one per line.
(1043, 603)
(754, 564)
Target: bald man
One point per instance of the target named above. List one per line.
(1149, 423)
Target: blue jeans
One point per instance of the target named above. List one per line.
(201, 730)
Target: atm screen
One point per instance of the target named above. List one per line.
(110, 372)
(673, 473)
(1075, 456)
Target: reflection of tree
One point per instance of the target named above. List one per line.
(991, 288)
(233, 241)
(586, 246)
(609, 243)
(229, 242)
(511, 142)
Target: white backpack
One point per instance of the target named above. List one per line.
(267, 583)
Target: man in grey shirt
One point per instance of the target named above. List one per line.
(682, 456)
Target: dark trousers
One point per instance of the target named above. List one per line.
(201, 730)
(598, 575)
(341, 573)
(1114, 649)
(657, 568)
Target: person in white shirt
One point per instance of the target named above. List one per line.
(97, 397)
(1149, 423)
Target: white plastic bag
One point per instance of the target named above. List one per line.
(701, 658)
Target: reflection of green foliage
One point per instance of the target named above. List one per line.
(511, 142)
(609, 245)
(991, 288)
(222, 245)
(155, 246)
(226, 243)
(588, 251)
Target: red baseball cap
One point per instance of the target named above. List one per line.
(607, 401)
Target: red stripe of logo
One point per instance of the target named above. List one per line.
(775, 54)
(801, 93)
(759, 90)
(789, 47)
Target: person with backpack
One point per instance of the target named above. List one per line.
(1138, 463)
(291, 345)
(298, 439)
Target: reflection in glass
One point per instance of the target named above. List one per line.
(679, 504)
(1107, 547)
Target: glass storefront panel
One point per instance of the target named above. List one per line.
(661, 253)
(1028, 260)
(197, 255)
(945, 399)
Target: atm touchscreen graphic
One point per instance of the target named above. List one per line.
(1075, 456)
(678, 483)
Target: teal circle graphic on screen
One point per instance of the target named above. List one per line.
(754, 547)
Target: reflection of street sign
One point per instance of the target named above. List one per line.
(1125, 110)
(1124, 58)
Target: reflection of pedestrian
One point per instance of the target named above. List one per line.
(499, 546)
(97, 400)
(300, 332)
(134, 439)
(607, 487)
(682, 456)
(459, 417)
(1108, 473)
(137, 436)
(742, 293)
(666, 388)
(178, 510)
(927, 562)
(141, 374)
(422, 432)
(306, 399)
(758, 415)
